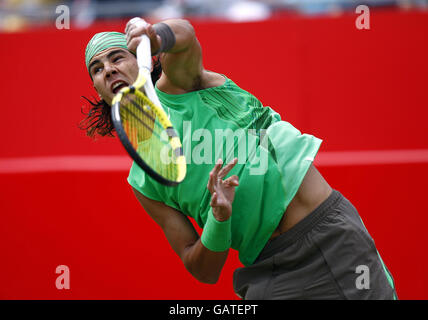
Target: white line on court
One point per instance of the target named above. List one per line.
(123, 163)
(64, 163)
(371, 157)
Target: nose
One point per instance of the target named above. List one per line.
(109, 69)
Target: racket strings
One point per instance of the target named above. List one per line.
(148, 136)
(149, 114)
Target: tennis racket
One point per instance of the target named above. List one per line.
(144, 128)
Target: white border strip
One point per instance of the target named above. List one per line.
(123, 163)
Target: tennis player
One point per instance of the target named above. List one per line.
(297, 237)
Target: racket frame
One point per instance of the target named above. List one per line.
(144, 61)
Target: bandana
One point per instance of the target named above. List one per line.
(102, 41)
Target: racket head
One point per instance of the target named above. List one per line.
(147, 134)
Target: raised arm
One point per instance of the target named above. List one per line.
(181, 58)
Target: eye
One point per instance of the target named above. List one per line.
(96, 69)
(117, 58)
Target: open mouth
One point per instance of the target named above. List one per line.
(118, 85)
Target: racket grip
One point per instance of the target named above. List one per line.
(144, 54)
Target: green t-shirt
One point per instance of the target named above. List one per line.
(227, 122)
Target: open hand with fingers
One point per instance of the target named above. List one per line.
(222, 191)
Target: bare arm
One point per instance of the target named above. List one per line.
(203, 264)
(182, 66)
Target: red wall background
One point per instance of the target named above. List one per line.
(358, 90)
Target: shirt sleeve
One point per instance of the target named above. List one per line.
(141, 181)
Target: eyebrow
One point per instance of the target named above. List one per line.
(112, 53)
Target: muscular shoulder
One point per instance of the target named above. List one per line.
(205, 79)
(182, 66)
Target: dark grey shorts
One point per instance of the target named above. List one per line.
(327, 255)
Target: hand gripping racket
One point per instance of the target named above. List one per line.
(143, 126)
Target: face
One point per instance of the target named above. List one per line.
(111, 70)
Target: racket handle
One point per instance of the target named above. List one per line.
(144, 54)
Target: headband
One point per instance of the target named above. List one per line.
(102, 41)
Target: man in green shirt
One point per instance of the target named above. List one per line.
(296, 236)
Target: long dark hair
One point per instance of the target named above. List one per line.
(98, 118)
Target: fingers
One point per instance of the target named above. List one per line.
(135, 23)
(213, 175)
(210, 185)
(129, 26)
(232, 181)
(219, 173)
(213, 202)
(224, 172)
(133, 37)
(134, 33)
(217, 168)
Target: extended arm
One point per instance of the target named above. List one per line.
(203, 263)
